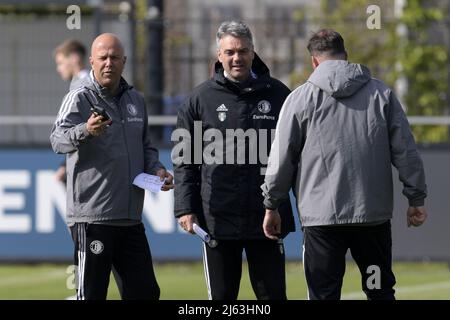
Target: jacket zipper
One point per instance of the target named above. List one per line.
(122, 123)
(128, 156)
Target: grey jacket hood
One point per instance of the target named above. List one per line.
(340, 78)
(336, 139)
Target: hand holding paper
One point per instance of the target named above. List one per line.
(204, 236)
(148, 182)
(201, 233)
(168, 182)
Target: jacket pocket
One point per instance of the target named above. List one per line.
(90, 189)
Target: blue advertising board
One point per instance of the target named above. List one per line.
(32, 206)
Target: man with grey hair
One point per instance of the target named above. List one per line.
(224, 198)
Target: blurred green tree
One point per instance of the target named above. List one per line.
(423, 56)
(418, 55)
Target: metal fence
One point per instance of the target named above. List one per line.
(31, 91)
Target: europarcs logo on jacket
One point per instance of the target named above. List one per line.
(264, 106)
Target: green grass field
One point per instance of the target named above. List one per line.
(185, 281)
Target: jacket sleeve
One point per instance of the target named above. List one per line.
(69, 129)
(404, 154)
(151, 154)
(284, 154)
(186, 171)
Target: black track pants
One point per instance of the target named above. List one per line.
(324, 253)
(99, 247)
(266, 263)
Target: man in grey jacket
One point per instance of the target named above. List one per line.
(335, 141)
(104, 208)
(69, 59)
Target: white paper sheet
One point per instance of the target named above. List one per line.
(148, 182)
(201, 233)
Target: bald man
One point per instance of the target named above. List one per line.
(105, 151)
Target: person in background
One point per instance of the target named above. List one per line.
(70, 64)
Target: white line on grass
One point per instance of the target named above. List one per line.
(31, 279)
(409, 289)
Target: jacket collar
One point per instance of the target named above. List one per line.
(95, 86)
(259, 77)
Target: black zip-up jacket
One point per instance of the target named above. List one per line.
(225, 195)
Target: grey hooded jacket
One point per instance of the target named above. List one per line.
(336, 138)
(100, 170)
